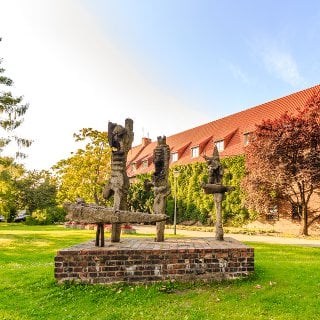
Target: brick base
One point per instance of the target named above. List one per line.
(137, 260)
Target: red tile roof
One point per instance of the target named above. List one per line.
(230, 129)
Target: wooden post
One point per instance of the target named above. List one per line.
(115, 232)
(219, 229)
(102, 234)
(160, 231)
(98, 235)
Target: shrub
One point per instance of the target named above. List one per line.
(56, 214)
(46, 216)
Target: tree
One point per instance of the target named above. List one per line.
(139, 199)
(12, 110)
(10, 172)
(36, 190)
(86, 172)
(21, 189)
(283, 162)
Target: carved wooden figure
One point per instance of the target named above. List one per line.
(215, 187)
(215, 168)
(161, 187)
(120, 139)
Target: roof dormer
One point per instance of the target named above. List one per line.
(222, 143)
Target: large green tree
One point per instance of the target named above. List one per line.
(10, 173)
(37, 190)
(86, 172)
(12, 110)
(22, 189)
(283, 162)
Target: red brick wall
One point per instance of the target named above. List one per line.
(105, 265)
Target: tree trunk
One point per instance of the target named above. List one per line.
(304, 230)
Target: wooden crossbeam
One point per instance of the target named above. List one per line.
(215, 188)
(91, 213)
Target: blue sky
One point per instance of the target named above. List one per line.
(169, 65)
(258, 50)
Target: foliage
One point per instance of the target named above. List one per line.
(235, 213)
(10, 173)
(12, 110)
(45, 216)
(192, 202)
(21, 189)
(86, 172)
(37, 191)
(283, 161)
(279, 289)
(138, 198)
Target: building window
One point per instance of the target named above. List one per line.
(174, 157)
(195, 152)
(246, 137)
(220, 145)
(145, 164)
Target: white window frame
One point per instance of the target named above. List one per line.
(246, 137)
(174, 156)
(145, 164)
(220, 145)
(195, 152)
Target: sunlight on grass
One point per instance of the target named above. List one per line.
(32, 264)
(5, 242)
(42, 243)
(285, 285)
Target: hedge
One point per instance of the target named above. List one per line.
(192, 203)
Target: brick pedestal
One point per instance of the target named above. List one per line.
(137, 260)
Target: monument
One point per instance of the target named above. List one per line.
(120, 140)
(143, 260)
(215, 187)
(160, 184)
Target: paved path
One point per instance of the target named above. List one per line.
(240, 237)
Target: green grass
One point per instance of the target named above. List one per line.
(286, 285)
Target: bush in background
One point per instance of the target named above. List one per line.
(47, 216)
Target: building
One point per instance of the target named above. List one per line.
(231, 134)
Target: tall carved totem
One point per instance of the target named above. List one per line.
(120, 139)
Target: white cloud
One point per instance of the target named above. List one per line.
(281, 64)
(74, 76)
(239, 74)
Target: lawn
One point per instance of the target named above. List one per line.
(286, 285)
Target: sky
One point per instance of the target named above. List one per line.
(170, 65)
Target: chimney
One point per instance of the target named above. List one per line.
(145, 142)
